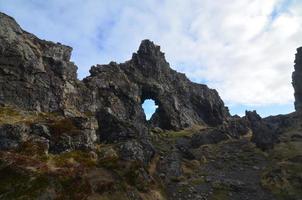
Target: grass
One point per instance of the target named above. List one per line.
(219, 194)
(13, 115)
(284, 176)
(80, 157)
(221, 191)
(197, 181)
(184, 133)
(16, 184)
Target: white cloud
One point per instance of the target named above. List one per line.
(243, 48)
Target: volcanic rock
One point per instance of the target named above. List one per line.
(297, 80)
(264, 134)
(38, 75)
(11, 136)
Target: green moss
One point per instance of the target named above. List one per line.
(286, 151)
(220, 194)
(13, 115)
(183, 133)
(9, 115)
(198, 181)
(89, 114)
(116, 195)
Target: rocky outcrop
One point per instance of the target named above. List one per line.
(11, 136)
(208, 137)
(141, 151)
(234, 127)
(297, 80)
(57, 136)
(100, 144)
(122, 88)
(38, 75)
(264, 134)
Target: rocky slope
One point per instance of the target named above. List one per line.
(62, 138)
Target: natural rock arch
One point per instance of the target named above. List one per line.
(149, 106)
(38, 75)
(147, 75)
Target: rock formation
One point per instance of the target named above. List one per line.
(62, 138)
(297, 80)
(38, 75)
(35, 74)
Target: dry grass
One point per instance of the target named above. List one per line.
(284, 177)
(12, 115)
(187, 132)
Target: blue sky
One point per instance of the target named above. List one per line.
(242, 48)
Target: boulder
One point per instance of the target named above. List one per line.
(76, 133)
(209, 136)
(40, 130)
(12, 135)
(236, 127)
(134, 150)
(264, 134)
(170, 168)
(184, 146)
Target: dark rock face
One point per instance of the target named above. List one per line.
(234, 127)
(114, 129)
(170, 166)
(122, 89)
(264, 134)
(184, 145)
(80, 135)
(38, 75)
(11, 136)
(141, 151)
(35, 74)
(297, 80)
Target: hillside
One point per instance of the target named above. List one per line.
(65, 138)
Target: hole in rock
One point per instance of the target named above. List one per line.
(149, 108)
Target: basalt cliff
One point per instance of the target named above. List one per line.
(65, 138)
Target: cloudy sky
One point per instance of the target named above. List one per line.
(243, 48)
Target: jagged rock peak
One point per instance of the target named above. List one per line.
(37, 75)
(148, 48)
(297, 80)
(149, 53)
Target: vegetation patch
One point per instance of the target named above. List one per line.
(17, 184)
(221, 191)
(73, 157)
(58, 127)
(13, 115)
(188, 132)
(284, 176)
